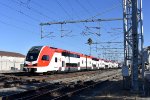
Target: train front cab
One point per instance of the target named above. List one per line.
(38, 59)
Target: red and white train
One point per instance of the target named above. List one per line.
(42, 59)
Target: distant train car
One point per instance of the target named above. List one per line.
(116, 64)
(42, 59)
(110, 64)
(102, 64)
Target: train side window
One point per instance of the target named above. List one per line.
(55, 59)
(45, 57)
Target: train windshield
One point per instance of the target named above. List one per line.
(33, 53)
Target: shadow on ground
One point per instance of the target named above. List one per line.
(112, 90)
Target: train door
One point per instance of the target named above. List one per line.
(68, 64)
(63, 63)
(63, 66)
(79, 66)
(56, 63)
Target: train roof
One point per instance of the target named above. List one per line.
(61, 50)
(80, 54)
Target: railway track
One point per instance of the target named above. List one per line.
(63, 89)
(8, 80)
(41, 77)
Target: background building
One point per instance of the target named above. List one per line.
(147, 57)
(11, 61)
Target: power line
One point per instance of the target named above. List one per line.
(88, 1)
(10, 18)
(73, 9)
(43, 7)
(27, 2)
(17, 27)
(29, 8)
(86, 10)
(75, 12)
(63, 9)
(19, 12)
(106, 11)
(120, 2)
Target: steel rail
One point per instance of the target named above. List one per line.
(31, 97)
(43, 90)
(78, 90)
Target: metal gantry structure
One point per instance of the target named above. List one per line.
(80, 21)
(61, 23)
(74, 22)
(105, 48)
(133, 38)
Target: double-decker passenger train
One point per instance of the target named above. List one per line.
(42, 59)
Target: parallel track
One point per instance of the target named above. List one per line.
(58, 91)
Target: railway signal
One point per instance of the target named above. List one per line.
(90, 41)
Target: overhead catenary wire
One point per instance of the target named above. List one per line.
(21, 12)
(68, 14)
(57, 1)
(44, 8)
(81, 21)
(84, 8)
(106, 11)
(60, 4)
(73, 10)
(106, 28)
(92, 6)
(120, 2)
(15, 26)
(20, 3)
(15, 19)
(62, 31)
(110, 46)
(27, 2)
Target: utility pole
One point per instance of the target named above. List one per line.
(135, 51)
(133, 38)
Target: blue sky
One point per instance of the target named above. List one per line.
(20, 19)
